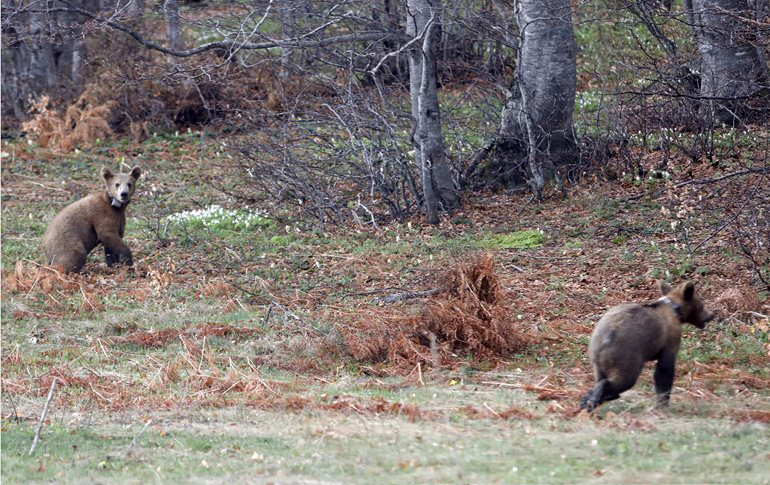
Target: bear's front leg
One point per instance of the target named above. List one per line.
(116, 249)
(109, 257)
(664, 377)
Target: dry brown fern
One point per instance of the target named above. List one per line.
(83, 123)
(469, 316)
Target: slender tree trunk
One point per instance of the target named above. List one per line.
(79, 54)
(134, 8)
(536, 125)
(438, 185)
(733, 66)
(43, 73)
(173, 25)
(285, 16)
(37, 62)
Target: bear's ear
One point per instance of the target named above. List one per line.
(688, 291)
(136, 172)
(107, 173)
(665, 288)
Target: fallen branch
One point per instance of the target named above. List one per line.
(478, 157)
(36, 439)
(407, 295)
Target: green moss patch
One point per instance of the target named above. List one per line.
(531, 238)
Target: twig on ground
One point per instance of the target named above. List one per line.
(137, 435)
(36, 439)
(371, 292)
(500, 384)
(489, 408)
(13, 405)
(267, 314)
(407, 295)
(513, 267)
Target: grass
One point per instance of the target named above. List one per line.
(228, 338)
(530, 238)
(248, 445)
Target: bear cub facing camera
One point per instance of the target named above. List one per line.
(99, 218)
(631, 334)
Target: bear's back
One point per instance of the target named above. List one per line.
(73, 227)
(632, 329)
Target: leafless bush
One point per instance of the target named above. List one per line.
(335, 158)
(751, 231)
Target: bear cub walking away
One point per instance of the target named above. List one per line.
(631, 334)
(97, 218)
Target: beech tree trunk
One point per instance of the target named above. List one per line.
(438, 185)
(173, 24)
(133, 8)
(29, 68)
(536, 123)
(733, 64)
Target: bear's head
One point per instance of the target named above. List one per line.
(120, 186)
(691, 308)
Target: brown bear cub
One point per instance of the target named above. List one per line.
(97, 218)
(631, 334)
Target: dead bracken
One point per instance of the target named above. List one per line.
(468, 317)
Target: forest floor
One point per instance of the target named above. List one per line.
(261, 353)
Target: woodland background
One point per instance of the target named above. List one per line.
(372, 237)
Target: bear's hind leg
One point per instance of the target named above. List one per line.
(72, 261)
(606, 390)
(595, 396)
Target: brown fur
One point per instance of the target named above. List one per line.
(97, 218)
(631, 334)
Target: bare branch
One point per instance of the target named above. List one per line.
(234, 44)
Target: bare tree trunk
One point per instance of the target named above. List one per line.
(42, 68)
(134, 8)
(536, 125)
(438, 185)
(173, 24)
(73, 54)
(78, 57)
(733, 68)
(285, 17)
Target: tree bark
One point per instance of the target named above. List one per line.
(285, 13)
(733, 66)
(134, 8)
(536, 122)
(439, 191)
(173, 25)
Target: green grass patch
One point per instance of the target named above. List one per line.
(530, 238)
(323, 447)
